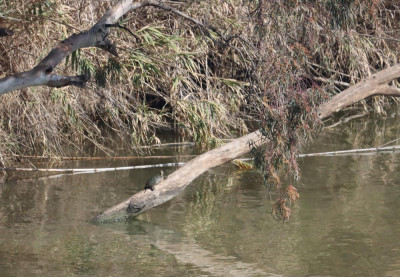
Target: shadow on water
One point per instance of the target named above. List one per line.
(345, 223)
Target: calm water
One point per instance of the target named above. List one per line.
(346, 222)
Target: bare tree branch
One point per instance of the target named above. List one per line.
(94, 37)
(376, 84)
(326, 80)
(388, 91)
(62, 81)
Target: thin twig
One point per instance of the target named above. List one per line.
(171, 144)
(331, 70)
(353, 151)
(390, 142)
(378, 37)
(326, 80)
(90, 170)
(97, 158)
(347, 119)
(123, 28)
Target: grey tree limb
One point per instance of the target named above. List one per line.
(96, 36)
(376, 84)
(176, 182)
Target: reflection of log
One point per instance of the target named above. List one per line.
(177, 181)
(187, 251)
(376, 84)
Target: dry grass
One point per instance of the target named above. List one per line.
(170, 75)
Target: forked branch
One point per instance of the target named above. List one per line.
(97, 36)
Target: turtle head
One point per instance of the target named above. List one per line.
(162, 173)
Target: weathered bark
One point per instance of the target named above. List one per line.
(41, 74)
(94, 37)
(178, 180)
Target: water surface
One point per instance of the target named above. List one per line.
(345, 224)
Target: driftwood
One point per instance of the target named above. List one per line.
(142, 201)
(178, 180)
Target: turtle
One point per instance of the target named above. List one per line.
(154, 181)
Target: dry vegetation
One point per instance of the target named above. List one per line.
(270, 62)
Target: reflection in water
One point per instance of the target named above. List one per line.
(186, 251)
(345, 223)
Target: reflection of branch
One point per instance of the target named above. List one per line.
(347, 119)
(90, 158)
(188, 252)
(89, 170)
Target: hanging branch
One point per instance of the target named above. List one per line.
(97, 36)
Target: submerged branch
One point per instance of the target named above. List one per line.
(180, 179)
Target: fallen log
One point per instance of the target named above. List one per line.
(178, 180)
(167, 189)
